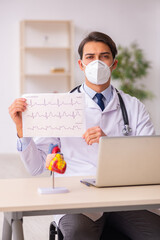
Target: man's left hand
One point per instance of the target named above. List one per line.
(92, 135)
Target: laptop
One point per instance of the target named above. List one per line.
(125, 161)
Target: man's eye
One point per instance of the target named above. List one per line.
(89, 57)
(105, 57)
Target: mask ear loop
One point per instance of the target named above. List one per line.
(83, 66)
(83, 63)
(112, 63)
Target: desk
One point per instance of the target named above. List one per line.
(20, 198)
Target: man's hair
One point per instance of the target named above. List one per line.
(98, 37)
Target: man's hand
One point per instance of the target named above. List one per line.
(15, 111)
(49, 159)
(93, 134)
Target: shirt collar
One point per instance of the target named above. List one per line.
(107, 93)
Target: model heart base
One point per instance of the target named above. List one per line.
(53, 190)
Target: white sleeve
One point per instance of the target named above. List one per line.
(144, 124)
(34, 155)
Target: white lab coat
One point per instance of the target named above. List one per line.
(82, 158)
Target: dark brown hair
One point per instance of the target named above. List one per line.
(98, 37)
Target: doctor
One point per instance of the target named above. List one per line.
(103, 118)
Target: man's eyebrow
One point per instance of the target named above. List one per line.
(102, 53)
(105, 53)
(89, 54)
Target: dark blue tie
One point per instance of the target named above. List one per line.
(100, 102)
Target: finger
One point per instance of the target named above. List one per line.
(92, 133)
(92, 139)
(19, 101)
(95, 138)
(16, 112)
(18, 107)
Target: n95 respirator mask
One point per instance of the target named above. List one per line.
(97, 72)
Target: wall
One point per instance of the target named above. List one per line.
(124, 20)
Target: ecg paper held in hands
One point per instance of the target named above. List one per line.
(54, 115)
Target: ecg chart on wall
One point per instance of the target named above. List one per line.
(54, 115)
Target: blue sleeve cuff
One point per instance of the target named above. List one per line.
(22, 143)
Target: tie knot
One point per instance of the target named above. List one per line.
(99, 96)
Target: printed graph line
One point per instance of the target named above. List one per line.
(53, 128)
(49, 103)
(54, 115)
(48, 115)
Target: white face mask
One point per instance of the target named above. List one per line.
(97, 72)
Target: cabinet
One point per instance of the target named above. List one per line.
(46, 56)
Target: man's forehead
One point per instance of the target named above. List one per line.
(96, 48)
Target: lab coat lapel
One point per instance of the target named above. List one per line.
(89, 101)
(112, 105)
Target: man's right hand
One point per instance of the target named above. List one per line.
(15, 111)
(49, 158)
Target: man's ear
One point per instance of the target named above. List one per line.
(115, 64)
(81, 64)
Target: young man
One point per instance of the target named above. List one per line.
(103, 118)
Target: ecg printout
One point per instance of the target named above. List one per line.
(54, 115)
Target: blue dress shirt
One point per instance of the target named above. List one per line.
(107, 93)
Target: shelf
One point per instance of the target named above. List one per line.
(44, 48)
(48, 75)
(46, 21)
(46, 45)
